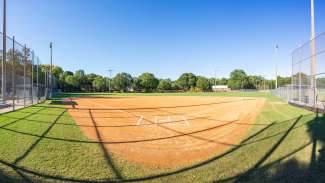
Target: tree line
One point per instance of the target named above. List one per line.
(79, 81)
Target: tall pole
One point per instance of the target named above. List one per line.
(313, 55)
(300, 85)
(32, 80)
(4, 45)
(276, 48)
(13, 73)
(109, 80)
(25, 58)
(37, 81)
(215, 77)
(276, 77)
(292, 79)
(50, 76)
(45, 82)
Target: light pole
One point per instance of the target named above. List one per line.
(276, 48)
(109, 80)
(51, 58)
(4, 51)
(299, 75)
(215, 77)
(313, 52)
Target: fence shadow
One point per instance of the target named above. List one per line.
(9, 178)
(63, 102)
(107, 156)
(290, 169)
(118, 174)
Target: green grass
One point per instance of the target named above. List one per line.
(42, 144)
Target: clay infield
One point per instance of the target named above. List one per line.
(166, 131)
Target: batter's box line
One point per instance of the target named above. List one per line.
(162, 121)
(140, 120)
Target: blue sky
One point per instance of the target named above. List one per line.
(165, 37)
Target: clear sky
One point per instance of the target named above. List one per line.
(165, 37)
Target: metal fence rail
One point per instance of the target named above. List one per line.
(24, 81)
(308, 82)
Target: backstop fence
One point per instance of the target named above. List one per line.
(308, 75)
(23, 79)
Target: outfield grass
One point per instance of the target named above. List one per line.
(43, 144)
(221, 94)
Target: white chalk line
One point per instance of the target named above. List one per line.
(187, 123)
(169, 120)
(140, 120)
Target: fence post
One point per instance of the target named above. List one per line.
(312, 101)
(37, 92)
(292, 78)
(300, 84)
(46, 77)
(4, 52)
(13, 73)
(32, 82)
(25, 57)
(50, 72)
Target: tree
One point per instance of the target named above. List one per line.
(71, 82)
(57, 71)
(164, 84)
(250, 82)
(223, 81)
(81, 78)
(186, 81)
(62, 79)
(99, 83)
(80, 74)
(174, 85)
(202, 83)
(283, 81)
(148, 82)
(67, 73)
(88, 81)
(122, 81)
(237, 79)
(136, 84)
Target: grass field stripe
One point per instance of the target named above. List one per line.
(39, 139)
(19, 119)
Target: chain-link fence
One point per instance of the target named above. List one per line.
(24, 81)
(308, 75)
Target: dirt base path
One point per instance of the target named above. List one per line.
(166, 131)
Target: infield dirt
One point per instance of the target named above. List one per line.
(166, 131)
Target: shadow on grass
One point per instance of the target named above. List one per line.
(39, 139)
(107, 156)
(179, 134)
(109, 161)
(276, 171)
(63, 102)
(291, 170)
(9, 178)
